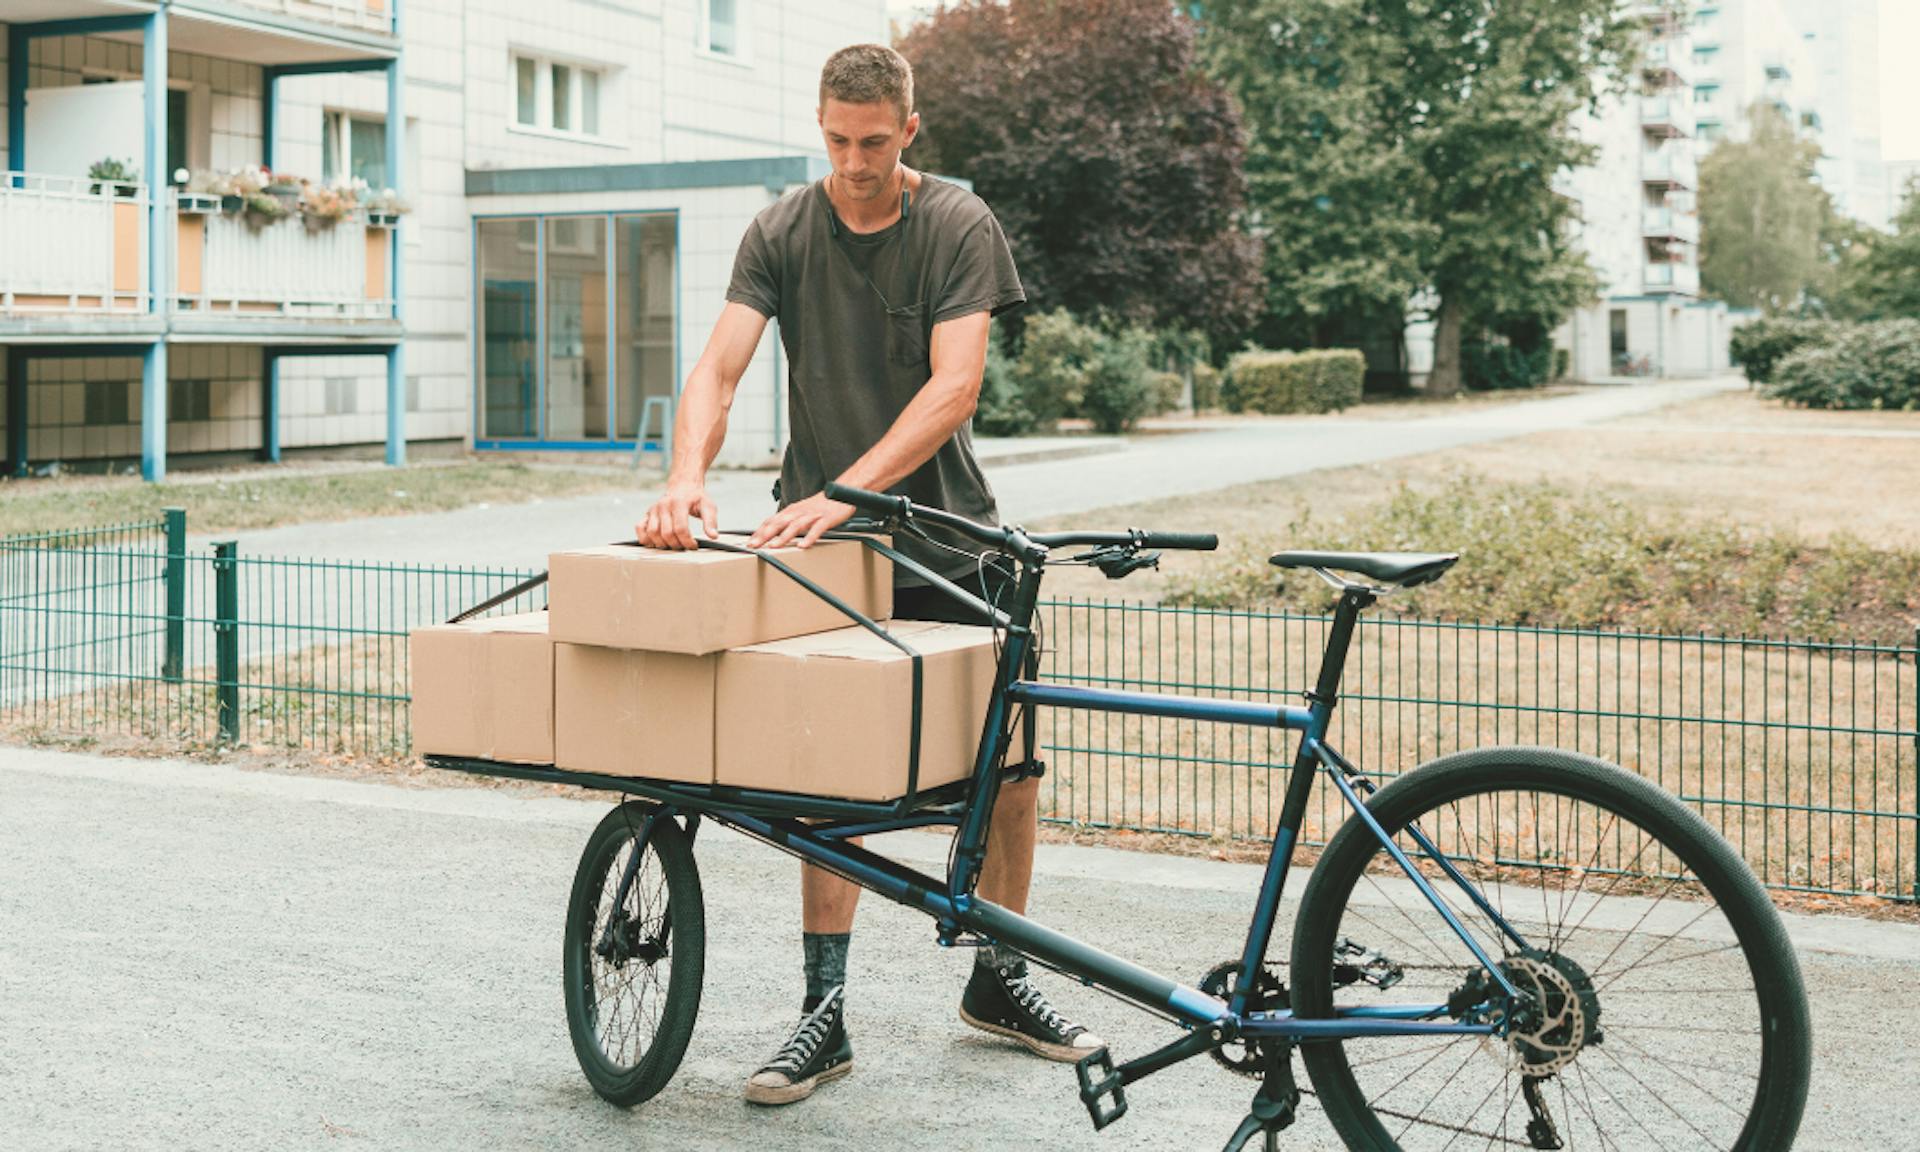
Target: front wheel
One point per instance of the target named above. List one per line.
(1660, 1003)
(633, 967)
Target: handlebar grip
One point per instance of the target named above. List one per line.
(1186, 541)
(877, 503)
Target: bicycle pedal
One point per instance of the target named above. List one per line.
(1098, 1081)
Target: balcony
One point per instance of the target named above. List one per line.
(1666, 116)
(226, 268)
(1669, 168)
(72, 246)
(80, 255)
(357, 15)
(1665, 63)
(1663, 276)
(1666, 224)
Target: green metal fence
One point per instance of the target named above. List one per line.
(1803, 754)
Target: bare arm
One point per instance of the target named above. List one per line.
(700, 429)
(941, 408)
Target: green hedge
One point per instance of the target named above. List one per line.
(1861, 366)
(1759, 345)
(1319, 380)
(1491, 366)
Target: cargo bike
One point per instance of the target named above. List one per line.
(1507, 947)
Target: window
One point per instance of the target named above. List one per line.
(723, 28)
(1706, 95)
(556, 96)
(1617, 331)
(106, 401)
(189, 400)
(1711, 130)
(354, 147)
(342, 396)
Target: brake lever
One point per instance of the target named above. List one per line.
(1121, 563)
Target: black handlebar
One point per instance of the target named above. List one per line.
(880, 504)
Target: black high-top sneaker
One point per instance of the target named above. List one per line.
(1000, 1000)
(818, 1051)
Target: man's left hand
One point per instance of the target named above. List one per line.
(804, 522)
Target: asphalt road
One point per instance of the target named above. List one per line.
(195, 956)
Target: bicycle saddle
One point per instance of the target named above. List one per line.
(1402, 569)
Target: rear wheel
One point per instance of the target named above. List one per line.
(1661, 1004)
(633, 970)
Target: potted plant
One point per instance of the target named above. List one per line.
(322, 207)
(119, 175)
(261, 209)
(385, 207)
(284, 188)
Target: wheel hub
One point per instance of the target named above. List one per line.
(1558, 1016)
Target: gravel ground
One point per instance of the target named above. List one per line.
(196, 956)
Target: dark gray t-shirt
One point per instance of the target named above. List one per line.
(856, 315)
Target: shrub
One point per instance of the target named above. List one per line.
(1759, 345)
(1051, 371)
(1319, 380)
(1864, 366)
(1118, 388)
(1488, 365)
(1206, 387)
(1002, 411)
(1562, 363)
(1169, 391)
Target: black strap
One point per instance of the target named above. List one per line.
(519, 589)
(913, 733)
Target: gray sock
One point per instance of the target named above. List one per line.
(826, 962)
(999, 956)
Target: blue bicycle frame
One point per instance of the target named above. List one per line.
(820, 832)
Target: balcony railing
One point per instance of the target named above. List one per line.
(79, 247)
(71, 245)
(1668, 60)
(224, 266)
(1666, 115)
(1672, 277)
(1669, 166)
(1666, 224)
(359, 15)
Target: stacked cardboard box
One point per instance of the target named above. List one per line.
(708, 667)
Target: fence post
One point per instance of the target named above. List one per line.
(1916, 764)
(172, 663)
(226, 637)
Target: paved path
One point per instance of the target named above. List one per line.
(1146, 467)
(193, 956)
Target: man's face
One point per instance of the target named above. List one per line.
(864, 142)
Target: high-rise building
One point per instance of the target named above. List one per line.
(1638, 220)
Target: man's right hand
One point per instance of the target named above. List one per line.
(666, 523)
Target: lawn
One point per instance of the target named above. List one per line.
(234, 500)
(1729, 514)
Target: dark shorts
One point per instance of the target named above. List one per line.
(920, 602)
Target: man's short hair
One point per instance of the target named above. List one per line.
(868, 74)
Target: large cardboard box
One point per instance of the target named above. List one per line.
(484, 689)
(693, 603)
(830, 714)
(624, 713)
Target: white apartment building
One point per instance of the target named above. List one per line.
(1639, 223)
(574, 176)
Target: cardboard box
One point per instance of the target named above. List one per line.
(693, 603)
(830, 714)
(484, 689)
(626, 713)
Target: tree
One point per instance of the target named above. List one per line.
(1762, 216)
(1112, 160)
(1401, 144)
(1884, 283)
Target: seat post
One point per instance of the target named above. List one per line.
(1333, 661)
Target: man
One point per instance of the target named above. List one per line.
(884, 282)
